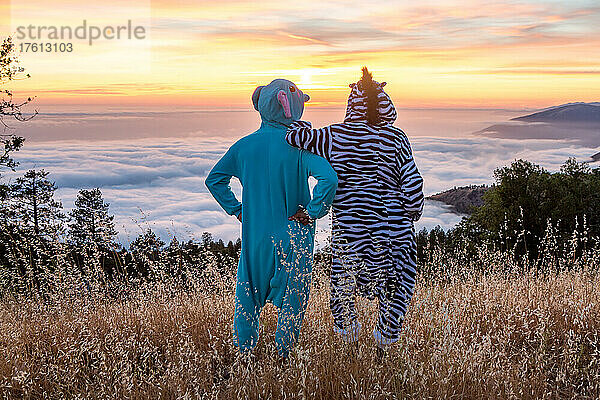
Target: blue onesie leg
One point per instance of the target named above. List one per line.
(246, 316)
(294, 263)
(288, 290)
(255, 276)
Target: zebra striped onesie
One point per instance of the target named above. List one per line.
(379, 196)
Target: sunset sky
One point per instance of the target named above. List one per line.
(212, 54)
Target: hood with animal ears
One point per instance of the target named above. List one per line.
(356, 109)
(279, 102)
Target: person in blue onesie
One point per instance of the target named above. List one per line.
(277, 215)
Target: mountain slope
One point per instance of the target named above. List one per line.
(574, 112)
(576, 122)
(462, 199)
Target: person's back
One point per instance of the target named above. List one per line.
(276, 257)
(379, 196)
(273, 178)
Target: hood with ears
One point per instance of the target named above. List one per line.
(356, 110)
(280, 101)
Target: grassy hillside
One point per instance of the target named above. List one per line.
(488, 327)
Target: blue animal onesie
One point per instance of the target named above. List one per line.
(276, 258)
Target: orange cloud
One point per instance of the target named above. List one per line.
(443, 52)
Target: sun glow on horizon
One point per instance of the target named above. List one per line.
(441, 53)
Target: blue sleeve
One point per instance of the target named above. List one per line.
(324, 191)
(218, 180)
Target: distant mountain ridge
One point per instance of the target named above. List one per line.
(576, 122)
(462, 199)
(572, 112)
(593, 103)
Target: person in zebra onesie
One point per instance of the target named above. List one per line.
(379, 196)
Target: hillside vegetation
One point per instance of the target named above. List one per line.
(478, 327)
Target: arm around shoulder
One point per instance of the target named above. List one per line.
(318, 141)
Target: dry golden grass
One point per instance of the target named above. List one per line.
(494, 335)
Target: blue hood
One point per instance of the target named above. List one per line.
(280, 102)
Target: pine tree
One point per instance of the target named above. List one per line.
(9, 143)
(91, 223)
(32, 205)
(146, 251)
(17, 252)
(31, 224)
(147, 245)
(174, 255)
(206, 239)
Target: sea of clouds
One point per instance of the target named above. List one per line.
(158, 183)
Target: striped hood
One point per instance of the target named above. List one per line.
(356, 110)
